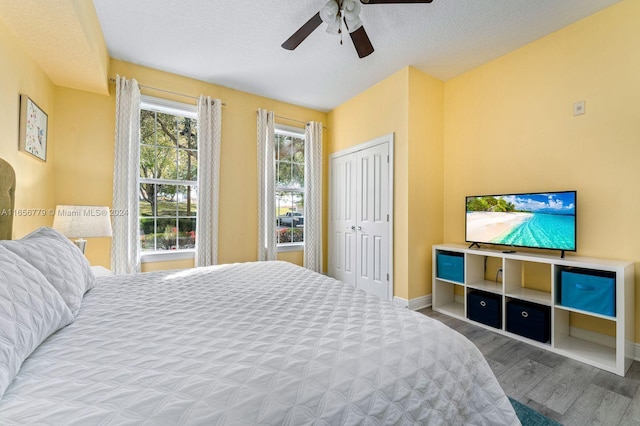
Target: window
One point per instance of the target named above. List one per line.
(289, 153)
(168, 176)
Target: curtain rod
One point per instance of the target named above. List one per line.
(113, 80)
(293, 119)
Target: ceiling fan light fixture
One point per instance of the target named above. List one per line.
(351, 7)
(351, 11)
(330, 15)
(329, 12)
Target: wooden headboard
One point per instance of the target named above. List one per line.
(7, 199)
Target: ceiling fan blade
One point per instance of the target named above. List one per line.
(393, 1)
(303, 32)
(361, 42)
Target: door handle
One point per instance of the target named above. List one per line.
(356, 228)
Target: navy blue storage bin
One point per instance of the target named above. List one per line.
(593, 291)
(485, 308)
(450, 266)
(530, 320)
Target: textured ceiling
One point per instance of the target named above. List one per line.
(64, 37)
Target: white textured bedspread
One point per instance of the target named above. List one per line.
(257, 343)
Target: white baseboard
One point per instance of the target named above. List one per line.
(413, 304)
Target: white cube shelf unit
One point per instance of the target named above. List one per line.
(517, 276)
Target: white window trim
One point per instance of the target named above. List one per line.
(297, 132)
(169, 182)
(288, 247)
(151, 103)
(167, 256)
(166, 106)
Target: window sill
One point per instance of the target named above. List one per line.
(283, 248)
(165, 256)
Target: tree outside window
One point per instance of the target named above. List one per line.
(289, 153)
(168, 177)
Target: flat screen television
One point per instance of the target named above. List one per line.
(543, 220)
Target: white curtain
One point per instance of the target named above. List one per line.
(313, 197)
(209, 123)
(266, 187)
(125, 245)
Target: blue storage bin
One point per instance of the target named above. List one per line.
(593, 291)
(450, 266)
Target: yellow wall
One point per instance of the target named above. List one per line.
(509, 127)
(35, 191)
(408, 104)
(84, 157)
(425, 180)
(86, 150)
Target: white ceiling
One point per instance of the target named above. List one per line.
(236, 43)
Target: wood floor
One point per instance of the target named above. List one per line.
(565, 390)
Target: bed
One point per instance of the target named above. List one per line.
(266, 343)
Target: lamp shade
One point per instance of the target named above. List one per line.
(82, 221)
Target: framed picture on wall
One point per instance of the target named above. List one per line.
(33, 128)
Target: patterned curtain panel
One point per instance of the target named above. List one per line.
(313, 197)
(266, 186)
(125, 246)
(209, 133)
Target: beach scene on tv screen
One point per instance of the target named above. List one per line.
(528, 220)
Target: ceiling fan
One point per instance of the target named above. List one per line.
(334, 13)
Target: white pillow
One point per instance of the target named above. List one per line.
(59, 260)
(30, 311)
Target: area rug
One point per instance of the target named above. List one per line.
(530, 417)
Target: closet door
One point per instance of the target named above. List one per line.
(342, 218)
(359, 213)
(372, 225)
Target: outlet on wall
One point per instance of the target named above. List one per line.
(578, 108)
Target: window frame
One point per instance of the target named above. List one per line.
(297, 132)
(165, 106)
